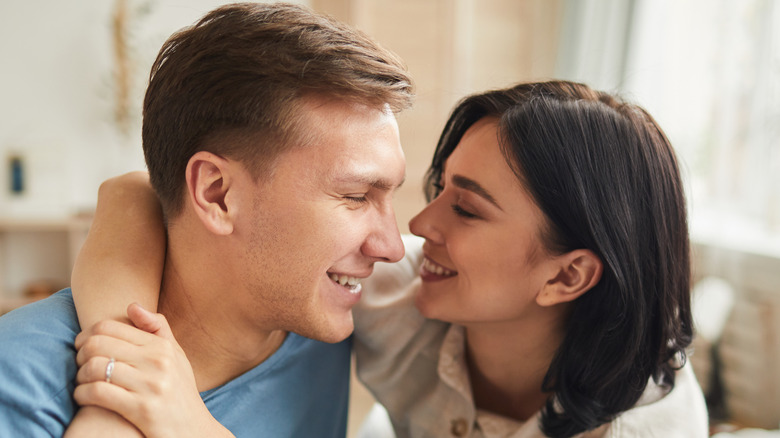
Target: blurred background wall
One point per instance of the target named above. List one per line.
(73, 76)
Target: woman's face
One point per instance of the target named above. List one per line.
(484, 258)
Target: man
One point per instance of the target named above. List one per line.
(271, 142)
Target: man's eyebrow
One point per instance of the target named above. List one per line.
(473, 186)
(378, 183)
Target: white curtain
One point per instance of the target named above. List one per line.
(595, 37)
(709, 70)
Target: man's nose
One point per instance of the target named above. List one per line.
(384, 243)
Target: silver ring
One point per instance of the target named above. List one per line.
(109, 369)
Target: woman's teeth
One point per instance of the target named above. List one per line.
(344, 280)
(436, 269)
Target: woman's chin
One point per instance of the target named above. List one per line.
(425, 306)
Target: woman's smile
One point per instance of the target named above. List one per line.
(432, 271)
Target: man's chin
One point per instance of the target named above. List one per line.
(338, 334)
(331, 332)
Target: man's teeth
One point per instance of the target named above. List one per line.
(345, 280)
(436, 269)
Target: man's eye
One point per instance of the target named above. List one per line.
(463, 213)
(356, 199)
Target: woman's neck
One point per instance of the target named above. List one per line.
(507, 363)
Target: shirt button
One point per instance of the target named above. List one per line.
(459, 427)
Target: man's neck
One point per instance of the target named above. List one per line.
(219, 344)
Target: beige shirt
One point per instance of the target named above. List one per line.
(416, 368)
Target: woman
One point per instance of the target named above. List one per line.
(553, 290)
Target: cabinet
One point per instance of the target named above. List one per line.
(37, 253)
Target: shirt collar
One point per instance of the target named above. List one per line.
(453, 372)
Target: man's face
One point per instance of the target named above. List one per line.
(318, 225)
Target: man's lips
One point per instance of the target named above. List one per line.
(350, 282)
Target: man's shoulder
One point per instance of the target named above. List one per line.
(48, 324)
(37, 366)
(59, 305)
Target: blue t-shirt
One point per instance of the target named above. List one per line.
(301, 390)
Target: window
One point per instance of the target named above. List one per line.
(709, 72)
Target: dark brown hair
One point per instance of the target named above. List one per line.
(607, 179)
(232, 84)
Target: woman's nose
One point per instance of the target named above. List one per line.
(426, 225)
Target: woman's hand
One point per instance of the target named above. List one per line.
(149, 382)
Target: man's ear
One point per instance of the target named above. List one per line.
(209, 181)
(577, 272)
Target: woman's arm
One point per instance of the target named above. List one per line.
(122, 259)
(121, 262)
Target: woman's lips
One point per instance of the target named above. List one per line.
(432, 271)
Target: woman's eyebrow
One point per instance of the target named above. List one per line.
(473, 186)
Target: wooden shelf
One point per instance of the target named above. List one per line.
(37, 250)
(38, 224)
(9, 304)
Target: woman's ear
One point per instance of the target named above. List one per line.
(577, 272)
(209, 181)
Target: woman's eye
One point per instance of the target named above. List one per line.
(463, 213)
(438, 188)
